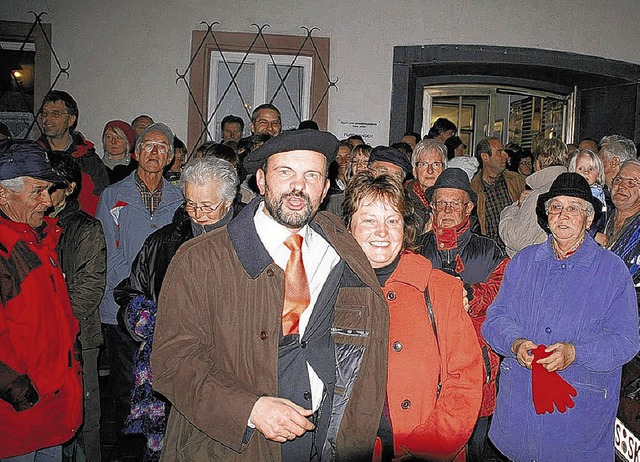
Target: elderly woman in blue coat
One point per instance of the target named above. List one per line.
(565, 321)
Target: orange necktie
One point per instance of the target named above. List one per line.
(296, 287)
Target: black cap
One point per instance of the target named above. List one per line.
(391, 155)
(567, 184)
(26, 158)
(293, 140)
(454, 178)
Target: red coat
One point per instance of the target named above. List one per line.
(424, 423)
(37, 336)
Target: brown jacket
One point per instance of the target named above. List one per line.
(515, 185)
(216, 345)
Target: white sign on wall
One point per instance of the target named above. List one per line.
(369, 131)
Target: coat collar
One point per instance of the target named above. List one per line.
(582, 257)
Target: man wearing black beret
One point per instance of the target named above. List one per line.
(278, 350)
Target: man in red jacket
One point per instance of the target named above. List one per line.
(58, 118)
(40, 376)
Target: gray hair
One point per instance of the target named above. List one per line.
(426, 146)
(13, 184)
(595, 160)
(212, 171)
(618, 146)
(635, 162)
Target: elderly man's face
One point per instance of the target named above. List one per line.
(428, 168)
(267, 121)
(28, 205)
(450, 207)
(203, 204)
(293, 184)
(154, 153)
(568, 219)
(611, 166)
(625, 191)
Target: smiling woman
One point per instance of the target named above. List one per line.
(434, 404)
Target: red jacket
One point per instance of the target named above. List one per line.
(94, 173)
(424, 423)
(39, 372)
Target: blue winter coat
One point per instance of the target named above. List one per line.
(588, 300)
(127, 223)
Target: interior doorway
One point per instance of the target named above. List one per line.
(531, 93)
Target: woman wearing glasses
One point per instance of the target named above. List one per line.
(566, 321)
(210, 186)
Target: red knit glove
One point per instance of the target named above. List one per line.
(548, 388)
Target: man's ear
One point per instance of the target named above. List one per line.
(484, 156)
(261, 181)
(3, 195)
(70, 189)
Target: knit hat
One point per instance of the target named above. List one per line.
(160, 128)
(124, 126)
(454, 178)
(567, 184)
(26, 158)
(391, 155)
(293, 140)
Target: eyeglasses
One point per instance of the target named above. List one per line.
(626, 182)
(52, 114)
(433, 165)
(455, 206)
(148, 146)
(206, 209)
(570, 210)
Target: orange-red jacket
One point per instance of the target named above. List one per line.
(426, 423)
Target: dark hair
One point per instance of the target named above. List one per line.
(178, 144)
(308, 124)
(440, 126)
(69, 102)
(141, 116)
(231, 119)
(365, 185)
(64, 163)
(221, 151)
(355, 137)
(414, 134)
(484, 147)
(404, 148)
(254, 114)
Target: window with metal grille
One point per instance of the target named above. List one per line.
(285, 80)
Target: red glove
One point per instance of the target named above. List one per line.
(548, 388)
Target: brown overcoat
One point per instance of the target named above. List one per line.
(215, 349)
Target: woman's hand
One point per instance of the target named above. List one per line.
(521, 348)
(562, 356)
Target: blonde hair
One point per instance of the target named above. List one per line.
(594, 161)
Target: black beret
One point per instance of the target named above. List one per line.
(293, 140)
(391, 155)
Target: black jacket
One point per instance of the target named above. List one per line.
(83, 257)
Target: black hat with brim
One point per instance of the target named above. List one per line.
(20, 158)
(571, 185)
(453, 178)
(293, 140)
(391, 155)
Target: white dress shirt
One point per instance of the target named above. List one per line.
(319, 259)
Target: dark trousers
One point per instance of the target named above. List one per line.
(122, 353)
(478, 440)
(86, 445)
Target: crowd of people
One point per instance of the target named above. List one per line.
(289, 296)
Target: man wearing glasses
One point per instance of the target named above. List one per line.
(479, 262)
(58, 119)
(429, 159)
(129, 211)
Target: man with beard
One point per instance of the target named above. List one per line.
(279, 348)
